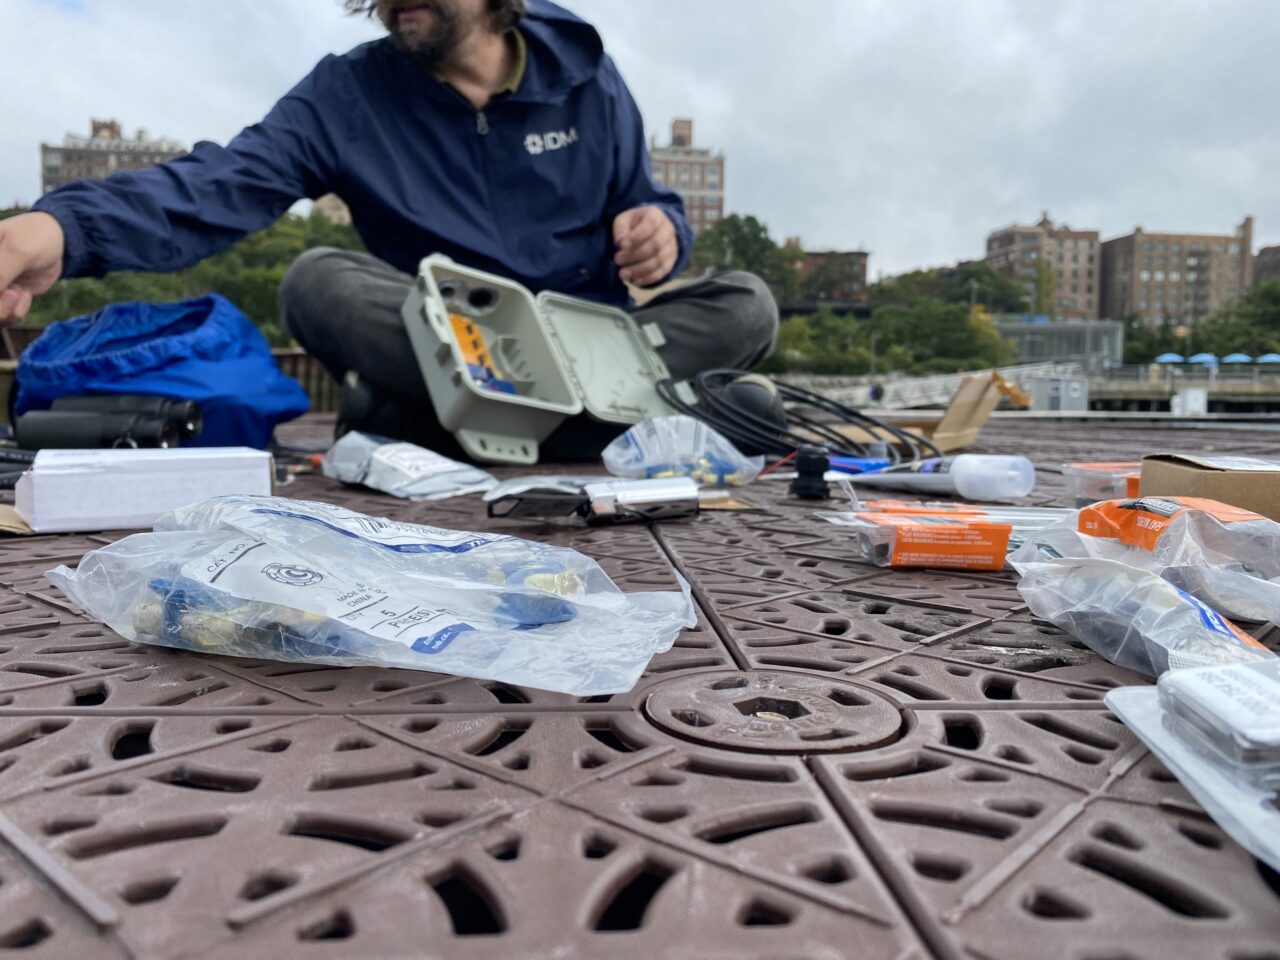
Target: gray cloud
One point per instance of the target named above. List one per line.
(907, 127)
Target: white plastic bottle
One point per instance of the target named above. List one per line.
(973, 476)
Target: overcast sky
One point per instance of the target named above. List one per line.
(909, 128)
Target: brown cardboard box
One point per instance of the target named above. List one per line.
(1246, 482)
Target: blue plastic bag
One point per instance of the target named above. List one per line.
(203, 349)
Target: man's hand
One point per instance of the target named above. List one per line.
(647, 245)
(31, 248)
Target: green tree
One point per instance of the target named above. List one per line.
(1144, 342)
(1046, 290)
(941, 337)
(1249, 325)
(743, 243)
(973, 281)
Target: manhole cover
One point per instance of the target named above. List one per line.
(774, 712)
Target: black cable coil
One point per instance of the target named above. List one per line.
(752, 432)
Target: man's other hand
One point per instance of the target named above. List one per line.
(647, 245)
(31, 248)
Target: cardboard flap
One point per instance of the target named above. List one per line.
(958, 426)
(970, 409)
(11, 523)
(1217, 463)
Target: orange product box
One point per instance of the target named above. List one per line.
(1142, 521)
(934, 541)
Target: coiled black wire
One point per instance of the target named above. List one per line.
(747, 429)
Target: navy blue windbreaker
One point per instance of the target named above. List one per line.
(527, 188)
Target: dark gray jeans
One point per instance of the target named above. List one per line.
(343, 306)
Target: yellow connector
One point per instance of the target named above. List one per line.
(471, 342)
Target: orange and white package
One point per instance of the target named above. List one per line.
(1188, 529)
(1026, 518)
(1227, 557)
(938, 541)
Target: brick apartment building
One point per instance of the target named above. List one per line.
(1184, 277)
(835, 277)
(696, 173)
(101, 154)
(1266, 265)
(333, 208)
(1072, 255)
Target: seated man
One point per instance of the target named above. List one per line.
(494, 131)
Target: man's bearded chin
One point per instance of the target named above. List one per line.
(435, 45)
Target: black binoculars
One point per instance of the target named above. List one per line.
(109, 421)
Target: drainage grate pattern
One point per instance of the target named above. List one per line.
(837, 761)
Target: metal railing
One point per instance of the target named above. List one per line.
(1261, 373)
(902, 392)
(297, 363)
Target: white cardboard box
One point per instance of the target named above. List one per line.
(84, 490)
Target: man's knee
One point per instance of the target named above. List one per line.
(306, 287)
(756, 310)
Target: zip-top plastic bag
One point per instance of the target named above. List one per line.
(300, 581)
(1227, 557)
(1128, 615)
(401, 469)
(679, 446)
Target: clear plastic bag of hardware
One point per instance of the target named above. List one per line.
(1226, 557)
(679, 446)
(1128, 615)
(294, 580)
(401, 469)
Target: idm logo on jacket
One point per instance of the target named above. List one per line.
(537, 143)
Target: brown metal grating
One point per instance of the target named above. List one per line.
(838, 761)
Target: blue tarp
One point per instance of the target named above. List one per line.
(204, 350)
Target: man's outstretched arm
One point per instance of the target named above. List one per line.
(173, 215)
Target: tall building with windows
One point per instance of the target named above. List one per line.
(1070, 256)
(332, 208)
(696, 173)
(1266, 265)
(101, 154)
(1182, 277)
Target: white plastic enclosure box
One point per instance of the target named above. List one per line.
(553, 357)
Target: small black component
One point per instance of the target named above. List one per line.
(538, 504)
(812, 464)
